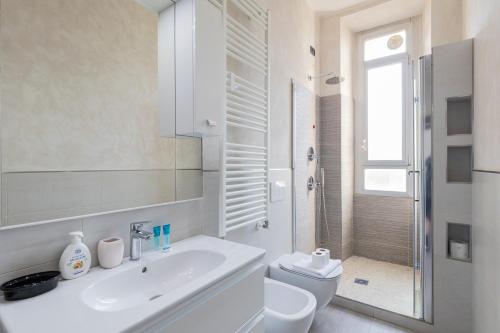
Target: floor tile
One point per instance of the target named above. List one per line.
(334, 319)
(379, 326)
(390, 286)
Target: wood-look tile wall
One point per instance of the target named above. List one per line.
(336, 149)
(383, 228)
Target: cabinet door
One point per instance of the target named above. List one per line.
(209, 69)
(166, 71)
(184, 67)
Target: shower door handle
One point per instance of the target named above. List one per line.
(416, 198)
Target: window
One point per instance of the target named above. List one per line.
(392, 180)
(385, 151)
(386, 45)
(385, 116)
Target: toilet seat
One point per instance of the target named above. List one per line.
(322, 288)
(286, 263)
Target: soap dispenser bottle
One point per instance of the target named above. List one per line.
(75, 260)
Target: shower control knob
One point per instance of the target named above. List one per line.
(311, 184)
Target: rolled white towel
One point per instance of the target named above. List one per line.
(305, 266)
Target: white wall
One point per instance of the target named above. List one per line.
(348, 42)
(293, 30)
(426, 27)
(330, 52)
(446, 21)
(441, 23)
(486, 252)
(481, 21)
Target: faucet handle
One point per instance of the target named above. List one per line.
(137, 226)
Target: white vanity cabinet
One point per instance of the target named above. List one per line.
(234, 305)
(191, 66)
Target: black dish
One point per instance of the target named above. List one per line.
(30, 285)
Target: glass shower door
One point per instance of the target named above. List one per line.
(422, 181)
(416, 172)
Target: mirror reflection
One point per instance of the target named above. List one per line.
(79, 110)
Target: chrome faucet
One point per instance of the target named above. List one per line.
(136, 234)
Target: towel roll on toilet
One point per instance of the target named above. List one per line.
(319, 259)
(320, 249)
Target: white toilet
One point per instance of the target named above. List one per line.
(322, 288)
(288, 309)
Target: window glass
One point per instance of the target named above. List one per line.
(385, 113)
(393, 180)
(386, 45)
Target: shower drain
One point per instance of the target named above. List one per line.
(362, 282)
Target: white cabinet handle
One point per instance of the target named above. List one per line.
(211, 123)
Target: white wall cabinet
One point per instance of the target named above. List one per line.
(166, 70)
(191, 66)
(199, 68)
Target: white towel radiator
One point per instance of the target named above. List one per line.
(245, 194)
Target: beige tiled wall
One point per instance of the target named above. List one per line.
(29, 249)
(40, 196)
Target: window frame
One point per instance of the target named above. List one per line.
(404, 59)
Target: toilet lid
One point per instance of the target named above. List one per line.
(286, 263)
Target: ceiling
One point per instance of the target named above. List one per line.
(384, 13)
(332, 5)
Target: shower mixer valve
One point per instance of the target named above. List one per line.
(311, 154)
(311, 184)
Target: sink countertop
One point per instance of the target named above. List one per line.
(64, 310)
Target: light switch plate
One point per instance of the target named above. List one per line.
(278, 191)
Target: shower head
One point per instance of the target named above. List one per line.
(334, 79)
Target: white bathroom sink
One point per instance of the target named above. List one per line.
(124, 299)
(150, 281)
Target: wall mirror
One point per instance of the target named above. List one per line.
(80, 113)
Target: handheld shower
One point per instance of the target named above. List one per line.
(321, 206)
